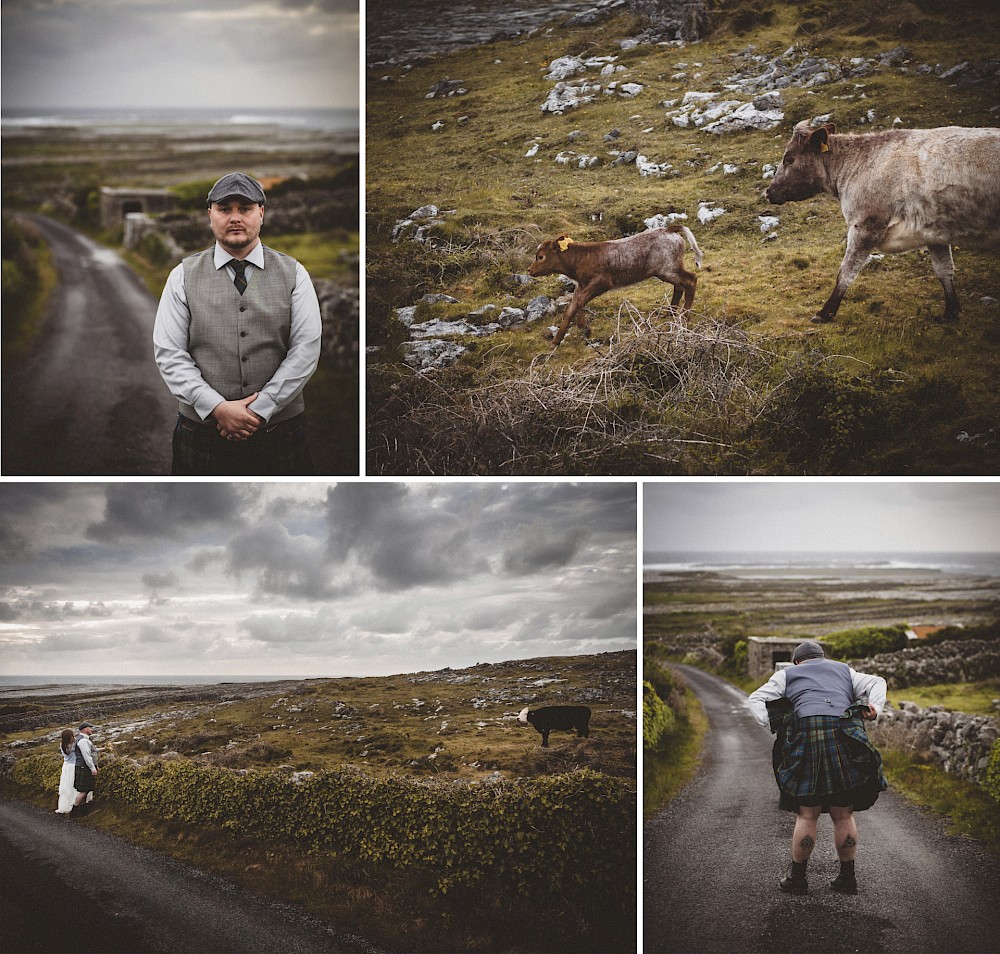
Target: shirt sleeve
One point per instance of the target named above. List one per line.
(872, 687)
(170, 349)
(304, 342)
(757, 701)
(86, 750)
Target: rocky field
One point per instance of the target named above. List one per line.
(450, 724)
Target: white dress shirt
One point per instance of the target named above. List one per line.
(873, 687)
(181, 374)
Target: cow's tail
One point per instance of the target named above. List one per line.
(689, 235)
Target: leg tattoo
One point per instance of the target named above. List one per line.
(849, 842)
(807, 843)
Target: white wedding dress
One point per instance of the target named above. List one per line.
(67, 778)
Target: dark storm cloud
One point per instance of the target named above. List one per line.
(164, 509)
(413, 535)
(292, 565)
(537, 547)
(404, 539)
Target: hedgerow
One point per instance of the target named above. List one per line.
(574, 831)
(657, 717)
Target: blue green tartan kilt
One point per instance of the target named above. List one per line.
(828, 760)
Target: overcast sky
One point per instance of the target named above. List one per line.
(820, 516)
(309, 579)
(180, 53)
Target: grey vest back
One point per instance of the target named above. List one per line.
(819, 687)
(239, 341)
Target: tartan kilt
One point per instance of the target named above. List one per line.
(828, 760)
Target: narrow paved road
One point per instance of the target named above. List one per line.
(69, 888)
(89, 400)
(713, 858)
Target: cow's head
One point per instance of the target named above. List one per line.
(802, 173)
(548, 257)
(523, 715)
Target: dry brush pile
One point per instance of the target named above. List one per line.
(663, 393)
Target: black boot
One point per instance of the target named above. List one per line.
(845, 882)
(795, 881)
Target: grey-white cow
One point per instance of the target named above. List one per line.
(899, 190)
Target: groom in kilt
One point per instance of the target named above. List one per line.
(823, 760)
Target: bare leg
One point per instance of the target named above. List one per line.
(845, 832)
(804, 836)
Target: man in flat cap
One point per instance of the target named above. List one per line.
(823, 760)
(86, 769)
(237, 336)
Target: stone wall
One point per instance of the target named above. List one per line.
(955, 741)
(962, 660)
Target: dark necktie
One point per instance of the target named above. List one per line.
(240, 281)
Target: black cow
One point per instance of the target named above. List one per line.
(557, 717)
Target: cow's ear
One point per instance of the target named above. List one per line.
(819, 138)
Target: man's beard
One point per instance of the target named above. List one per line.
(230, 241)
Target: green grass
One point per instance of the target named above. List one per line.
(968, 808)
(975, 698)
(669, 768)
(883, 390)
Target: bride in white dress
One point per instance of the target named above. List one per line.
(67, 793)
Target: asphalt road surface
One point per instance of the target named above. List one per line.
(65, 887)
(89, 401)
(714, 856)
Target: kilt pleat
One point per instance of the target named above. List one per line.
(828, 760)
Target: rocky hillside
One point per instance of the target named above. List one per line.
(601, 126)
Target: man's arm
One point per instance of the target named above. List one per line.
(757, 701)
(170, 349)
(304, 341)
(874, 687)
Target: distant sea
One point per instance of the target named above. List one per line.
(143, 122)
(41, 685)
(776, 564)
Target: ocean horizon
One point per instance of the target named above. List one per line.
(61, 682)
(144, 121)
(958, 563)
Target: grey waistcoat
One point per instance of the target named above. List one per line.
(819, 687)
(239, 341)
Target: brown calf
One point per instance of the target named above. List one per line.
(597, 267)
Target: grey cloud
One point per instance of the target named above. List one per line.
(8, 613)
(396, 533)
(164, 509)
(159, 581)
(535, 547)
(290, 565)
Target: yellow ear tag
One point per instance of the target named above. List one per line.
(823, 147)
(563, 243)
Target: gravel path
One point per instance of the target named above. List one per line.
(89, 400)
(713, 858)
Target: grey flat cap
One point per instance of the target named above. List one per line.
(809, 649)
(237, 183)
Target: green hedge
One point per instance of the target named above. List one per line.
(991, 781)
(658, 718)
(550, 833)
(868, 641)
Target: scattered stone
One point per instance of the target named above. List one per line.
(432, 354)
(539, 307)
(569, 96)
(446, 88)
(768, 222)
(708, 214)
(660, 221)
(647, 167)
